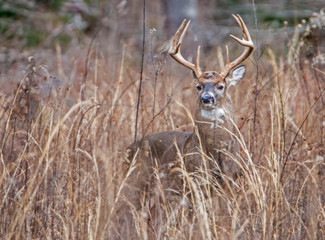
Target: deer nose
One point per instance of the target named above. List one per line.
(207, 98)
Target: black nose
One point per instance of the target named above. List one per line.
(207, 98)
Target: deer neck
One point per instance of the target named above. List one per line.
(211, 124)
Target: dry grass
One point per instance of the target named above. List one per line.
(63, 141)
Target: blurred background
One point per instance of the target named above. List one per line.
(28, 26)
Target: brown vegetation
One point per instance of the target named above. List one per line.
(63, 139)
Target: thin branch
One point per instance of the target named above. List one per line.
(301, 125)
(154, 117)
(141, 72)
(256, 79)
(88, 53)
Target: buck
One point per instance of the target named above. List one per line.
(206, 150)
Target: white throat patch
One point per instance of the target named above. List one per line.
(214, 114)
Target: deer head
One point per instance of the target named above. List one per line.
(212, 86)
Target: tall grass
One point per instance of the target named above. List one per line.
(63, 161)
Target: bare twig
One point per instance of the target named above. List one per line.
(141, 72)
(88, 53)
(256, 78)
(154, 117)
(296, 135)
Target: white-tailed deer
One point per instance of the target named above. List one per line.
(166, 157)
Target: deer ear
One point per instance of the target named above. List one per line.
(237, 75)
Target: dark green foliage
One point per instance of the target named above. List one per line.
(6, 12)
(63, 39)
(53, 4)
(3, 28)
(34, 37)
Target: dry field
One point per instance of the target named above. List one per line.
(66, 120)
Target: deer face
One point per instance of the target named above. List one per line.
(212, 87)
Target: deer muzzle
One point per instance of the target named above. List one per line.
(207, 98)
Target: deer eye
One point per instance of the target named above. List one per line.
(220, 87)
(199, 87)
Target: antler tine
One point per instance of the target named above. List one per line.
(246, 42)
(178, 39)
(227, 55)
(175, 51)
(197, 62)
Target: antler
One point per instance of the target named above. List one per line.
(246, 42)
(175, 50)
